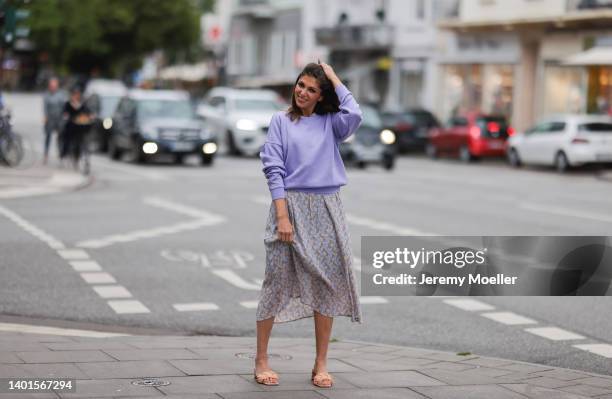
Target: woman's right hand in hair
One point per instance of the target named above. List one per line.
(285, 229)
(331, 75)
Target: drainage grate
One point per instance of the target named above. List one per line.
(250, 355)
(150, 382)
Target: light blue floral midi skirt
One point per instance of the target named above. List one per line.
(314, 272)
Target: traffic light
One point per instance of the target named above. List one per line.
(12, 21)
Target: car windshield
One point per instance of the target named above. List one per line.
(371, 118)
(108, 105)
(255, 104)
(596, 127)
(179, 109)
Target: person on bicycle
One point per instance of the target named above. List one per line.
(54, 101)
(78, 121)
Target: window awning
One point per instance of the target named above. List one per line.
(594, 56)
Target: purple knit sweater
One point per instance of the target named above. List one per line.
(303, 155)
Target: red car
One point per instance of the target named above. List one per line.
(470, 137)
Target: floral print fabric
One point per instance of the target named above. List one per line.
(314, 272)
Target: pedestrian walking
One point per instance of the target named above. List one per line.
(78, 121)
(53, 101)
(308, 255)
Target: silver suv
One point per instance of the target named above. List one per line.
(240, 117)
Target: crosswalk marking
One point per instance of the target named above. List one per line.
(98, 278)
(554, 333)
(509, 318)
(191, 307)
(112, 291)
(249, 304)
(604, 350)
(471, 305)
(73, 254)
(371, 300)
(85, 266)
(128, 306)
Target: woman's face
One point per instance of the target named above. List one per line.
(307, 93)
(76, 96)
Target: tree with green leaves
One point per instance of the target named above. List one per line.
(113, 36)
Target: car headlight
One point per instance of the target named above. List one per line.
(209, 148)
(387, 136)
(107, 123)
(246, 124)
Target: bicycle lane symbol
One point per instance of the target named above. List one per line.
(220, 263)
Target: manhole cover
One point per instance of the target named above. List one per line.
(151, 382)
(245, 355)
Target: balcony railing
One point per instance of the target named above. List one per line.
(355, 36)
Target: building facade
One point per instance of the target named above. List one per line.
(384, 49)
(526, 58)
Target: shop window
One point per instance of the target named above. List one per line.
(564, 90)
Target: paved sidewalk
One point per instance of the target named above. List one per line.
(39, 180)
(222, 367)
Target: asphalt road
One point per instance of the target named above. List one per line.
(184, 244)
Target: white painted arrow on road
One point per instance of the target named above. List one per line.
(231, 277)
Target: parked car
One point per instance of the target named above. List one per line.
(564, 141)
(470, 137)
(240, 117)
(371, 143)
(149, 122)
(102, 97)
(411, 127)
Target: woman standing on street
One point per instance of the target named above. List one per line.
(308, 256)
(78, 121)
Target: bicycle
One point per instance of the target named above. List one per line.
(11, 143)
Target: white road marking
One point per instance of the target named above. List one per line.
(509, 318)
(141, 234)
(192, 307)
(604, 350)
(32, 229)
(372, 300)
(128, 306)
(388, 227)
(85, 266)
(98, 278)
(249, 304)
(183, 209)
(357, 263)
(554, 333)
(29, 329)
(557, 210)
(73, 254)
(112, 291)
(471, 305)
(231, 277)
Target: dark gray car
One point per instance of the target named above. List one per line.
(151, 122)
(371, 143)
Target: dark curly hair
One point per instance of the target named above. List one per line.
(330, 102)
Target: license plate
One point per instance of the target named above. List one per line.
(183, 146)
(496, 145)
